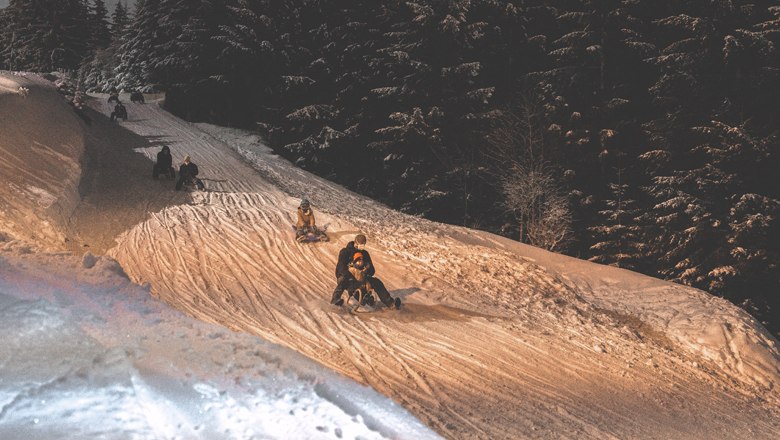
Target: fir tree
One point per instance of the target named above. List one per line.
(46, 34)
(100, 34)
(119, 21)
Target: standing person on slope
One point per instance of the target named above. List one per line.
(353, 258)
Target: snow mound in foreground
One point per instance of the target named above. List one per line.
(88, 354)
(41, 144)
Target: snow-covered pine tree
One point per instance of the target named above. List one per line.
(133, 71)
(45, 35)
(711, 162)
(619, 239)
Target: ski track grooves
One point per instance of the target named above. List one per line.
(475, 354)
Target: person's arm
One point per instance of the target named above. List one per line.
(369, 264)
(194, 170)
(299, 224)
(313, 222)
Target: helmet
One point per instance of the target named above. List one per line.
(357, 256)
(305, 204)
(360, 239)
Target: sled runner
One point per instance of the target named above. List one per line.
(311, 236)
(362, 300)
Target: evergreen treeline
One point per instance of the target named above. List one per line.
(638, 133)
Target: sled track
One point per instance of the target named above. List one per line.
(476, 352)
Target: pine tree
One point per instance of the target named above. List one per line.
(133, 71)
(100, 34)
(119, 21)
(46, 34)
(711, 173)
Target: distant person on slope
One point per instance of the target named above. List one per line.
(119, 112)
(355, 269)
(188, 173)
(164, 164)
(306, 223)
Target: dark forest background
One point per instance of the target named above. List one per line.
(638, 133)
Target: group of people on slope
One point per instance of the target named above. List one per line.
(354, 268)
(188, 171)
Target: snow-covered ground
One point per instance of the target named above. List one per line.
(495, 340)
(88, 354)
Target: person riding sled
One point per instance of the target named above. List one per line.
(188, 173)
(306, 223)
(164, 164)
(119, 112)
(355, 262)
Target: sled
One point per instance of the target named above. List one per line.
(190, 186)
(317, 235)
(367, 302)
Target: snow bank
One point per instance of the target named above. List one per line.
(710, 328)
(41, 147)
(88, 354)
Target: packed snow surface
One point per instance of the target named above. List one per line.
(495, 339)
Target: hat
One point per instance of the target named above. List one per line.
(357, 256)
(187, 158)
(304, 203)
(360, 239)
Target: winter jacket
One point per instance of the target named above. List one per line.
(164, 160)
(305, 219)
(345, 258)
(188, 170)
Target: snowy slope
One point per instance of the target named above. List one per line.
(87, 354)
(496, 339)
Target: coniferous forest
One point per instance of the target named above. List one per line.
(638, 133)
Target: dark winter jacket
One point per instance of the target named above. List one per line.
(188, 170)
(345, 257)
(164, 160)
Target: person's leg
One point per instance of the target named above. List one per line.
(155, 171)
(381, 290)
(343, 283)
(179, 183)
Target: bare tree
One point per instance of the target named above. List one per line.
(517, 149)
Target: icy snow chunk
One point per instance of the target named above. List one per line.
(89, 260)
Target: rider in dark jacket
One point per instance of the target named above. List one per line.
(346, 280)
(188, 172)
(164, 163)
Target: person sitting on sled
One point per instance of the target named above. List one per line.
(355, 269)
(188, 173)
(306, 223)
(164, 164)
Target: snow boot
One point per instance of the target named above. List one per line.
(397, 303)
